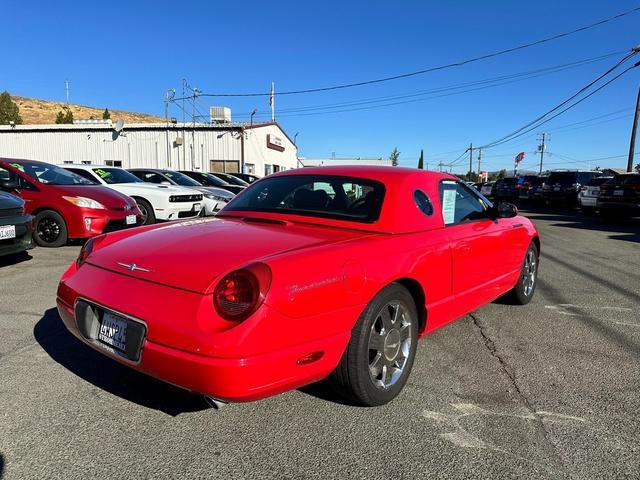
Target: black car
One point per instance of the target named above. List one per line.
(505, 189)
(247, 177)
(209, 180)
(620, 196)
(563, 187)
(230, 179)
(16, 227)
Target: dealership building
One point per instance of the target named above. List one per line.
(257, 148)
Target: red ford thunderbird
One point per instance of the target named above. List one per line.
(307, 274)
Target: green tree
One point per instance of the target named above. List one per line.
(421, 161)
(106, 115)
(394, 156)
(64, 116)
(9, 111)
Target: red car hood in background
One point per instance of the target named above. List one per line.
(190, 255)
(107, 197)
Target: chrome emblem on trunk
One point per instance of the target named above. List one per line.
(132, 267)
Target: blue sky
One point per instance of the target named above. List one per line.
(125, 55)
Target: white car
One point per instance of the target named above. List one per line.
(588, 194)
(214, 198)
(156, 202)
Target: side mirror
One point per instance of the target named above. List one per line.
(506, 210)
(8, 185)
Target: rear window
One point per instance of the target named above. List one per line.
(326, 196)
(596, 182)
(509, 181)
(562, 178)
(626, 180)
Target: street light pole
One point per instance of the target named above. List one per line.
(634, 130)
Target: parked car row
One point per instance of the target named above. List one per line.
(613, 197)
(50, 205)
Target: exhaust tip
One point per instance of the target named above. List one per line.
(214, 402)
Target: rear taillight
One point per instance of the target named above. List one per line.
(583, 189)
(241, 292)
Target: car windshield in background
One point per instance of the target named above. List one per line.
(116, 175)
(50, 174)
(181, 178)
(233, 180)
(562, 178)
(328, 196)
(217, 182)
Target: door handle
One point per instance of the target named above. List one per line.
(517, 225)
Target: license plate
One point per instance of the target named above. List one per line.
(556, 189)
(130, 220)
(196, 207)
(113, 331)
(618, 192)
(7, 231)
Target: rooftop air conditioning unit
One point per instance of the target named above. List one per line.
(220, 114)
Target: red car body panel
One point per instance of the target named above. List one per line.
(324, 273)
(49, 197)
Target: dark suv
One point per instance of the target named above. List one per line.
(506, 189)
(620, 196)
(528, 185)
(563, 187)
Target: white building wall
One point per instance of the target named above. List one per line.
(147, 147)
(257, 153)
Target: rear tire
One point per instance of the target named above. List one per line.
(378, 360)
(148, 215)
(523, 292)
(51, 229)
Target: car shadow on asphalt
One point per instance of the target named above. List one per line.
(14, 259)
(626, 229)
(1, 466)
(324, 390)
(107, 374)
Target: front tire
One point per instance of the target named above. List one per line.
(148, 215)
(523, 292)
(51, 229)
(379, 357)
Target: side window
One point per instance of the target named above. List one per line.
(151, 177)
(460, 204)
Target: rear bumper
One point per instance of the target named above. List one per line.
(229, 379)
(588, 201)
(185, 345)
(612, 204)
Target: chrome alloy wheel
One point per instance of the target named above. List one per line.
(529, 272)
(389, 344)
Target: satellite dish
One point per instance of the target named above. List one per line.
(119, 125)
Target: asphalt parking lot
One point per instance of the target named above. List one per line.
(549, 390)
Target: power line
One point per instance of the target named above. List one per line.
(544, 118)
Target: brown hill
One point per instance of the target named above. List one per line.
(37, 112)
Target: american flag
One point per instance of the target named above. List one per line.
(520, 157)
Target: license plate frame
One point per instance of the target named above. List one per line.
(618, 193)
(7, 232)
(90, 318)
(130, 220)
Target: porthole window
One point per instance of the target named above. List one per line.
(422, 202)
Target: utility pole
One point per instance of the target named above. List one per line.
(541, 149)
(66, 90)
(479, 163)
(634, 130)
(470, 161)
(168, 96)
(193, 130)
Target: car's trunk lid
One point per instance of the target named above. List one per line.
(190, 255)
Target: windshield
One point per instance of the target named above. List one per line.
(328, 196)
(632, 179)
(50, 174)
(562, 177)
(181, 179)
(232, 180)
(216, 182)
(116, 175)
